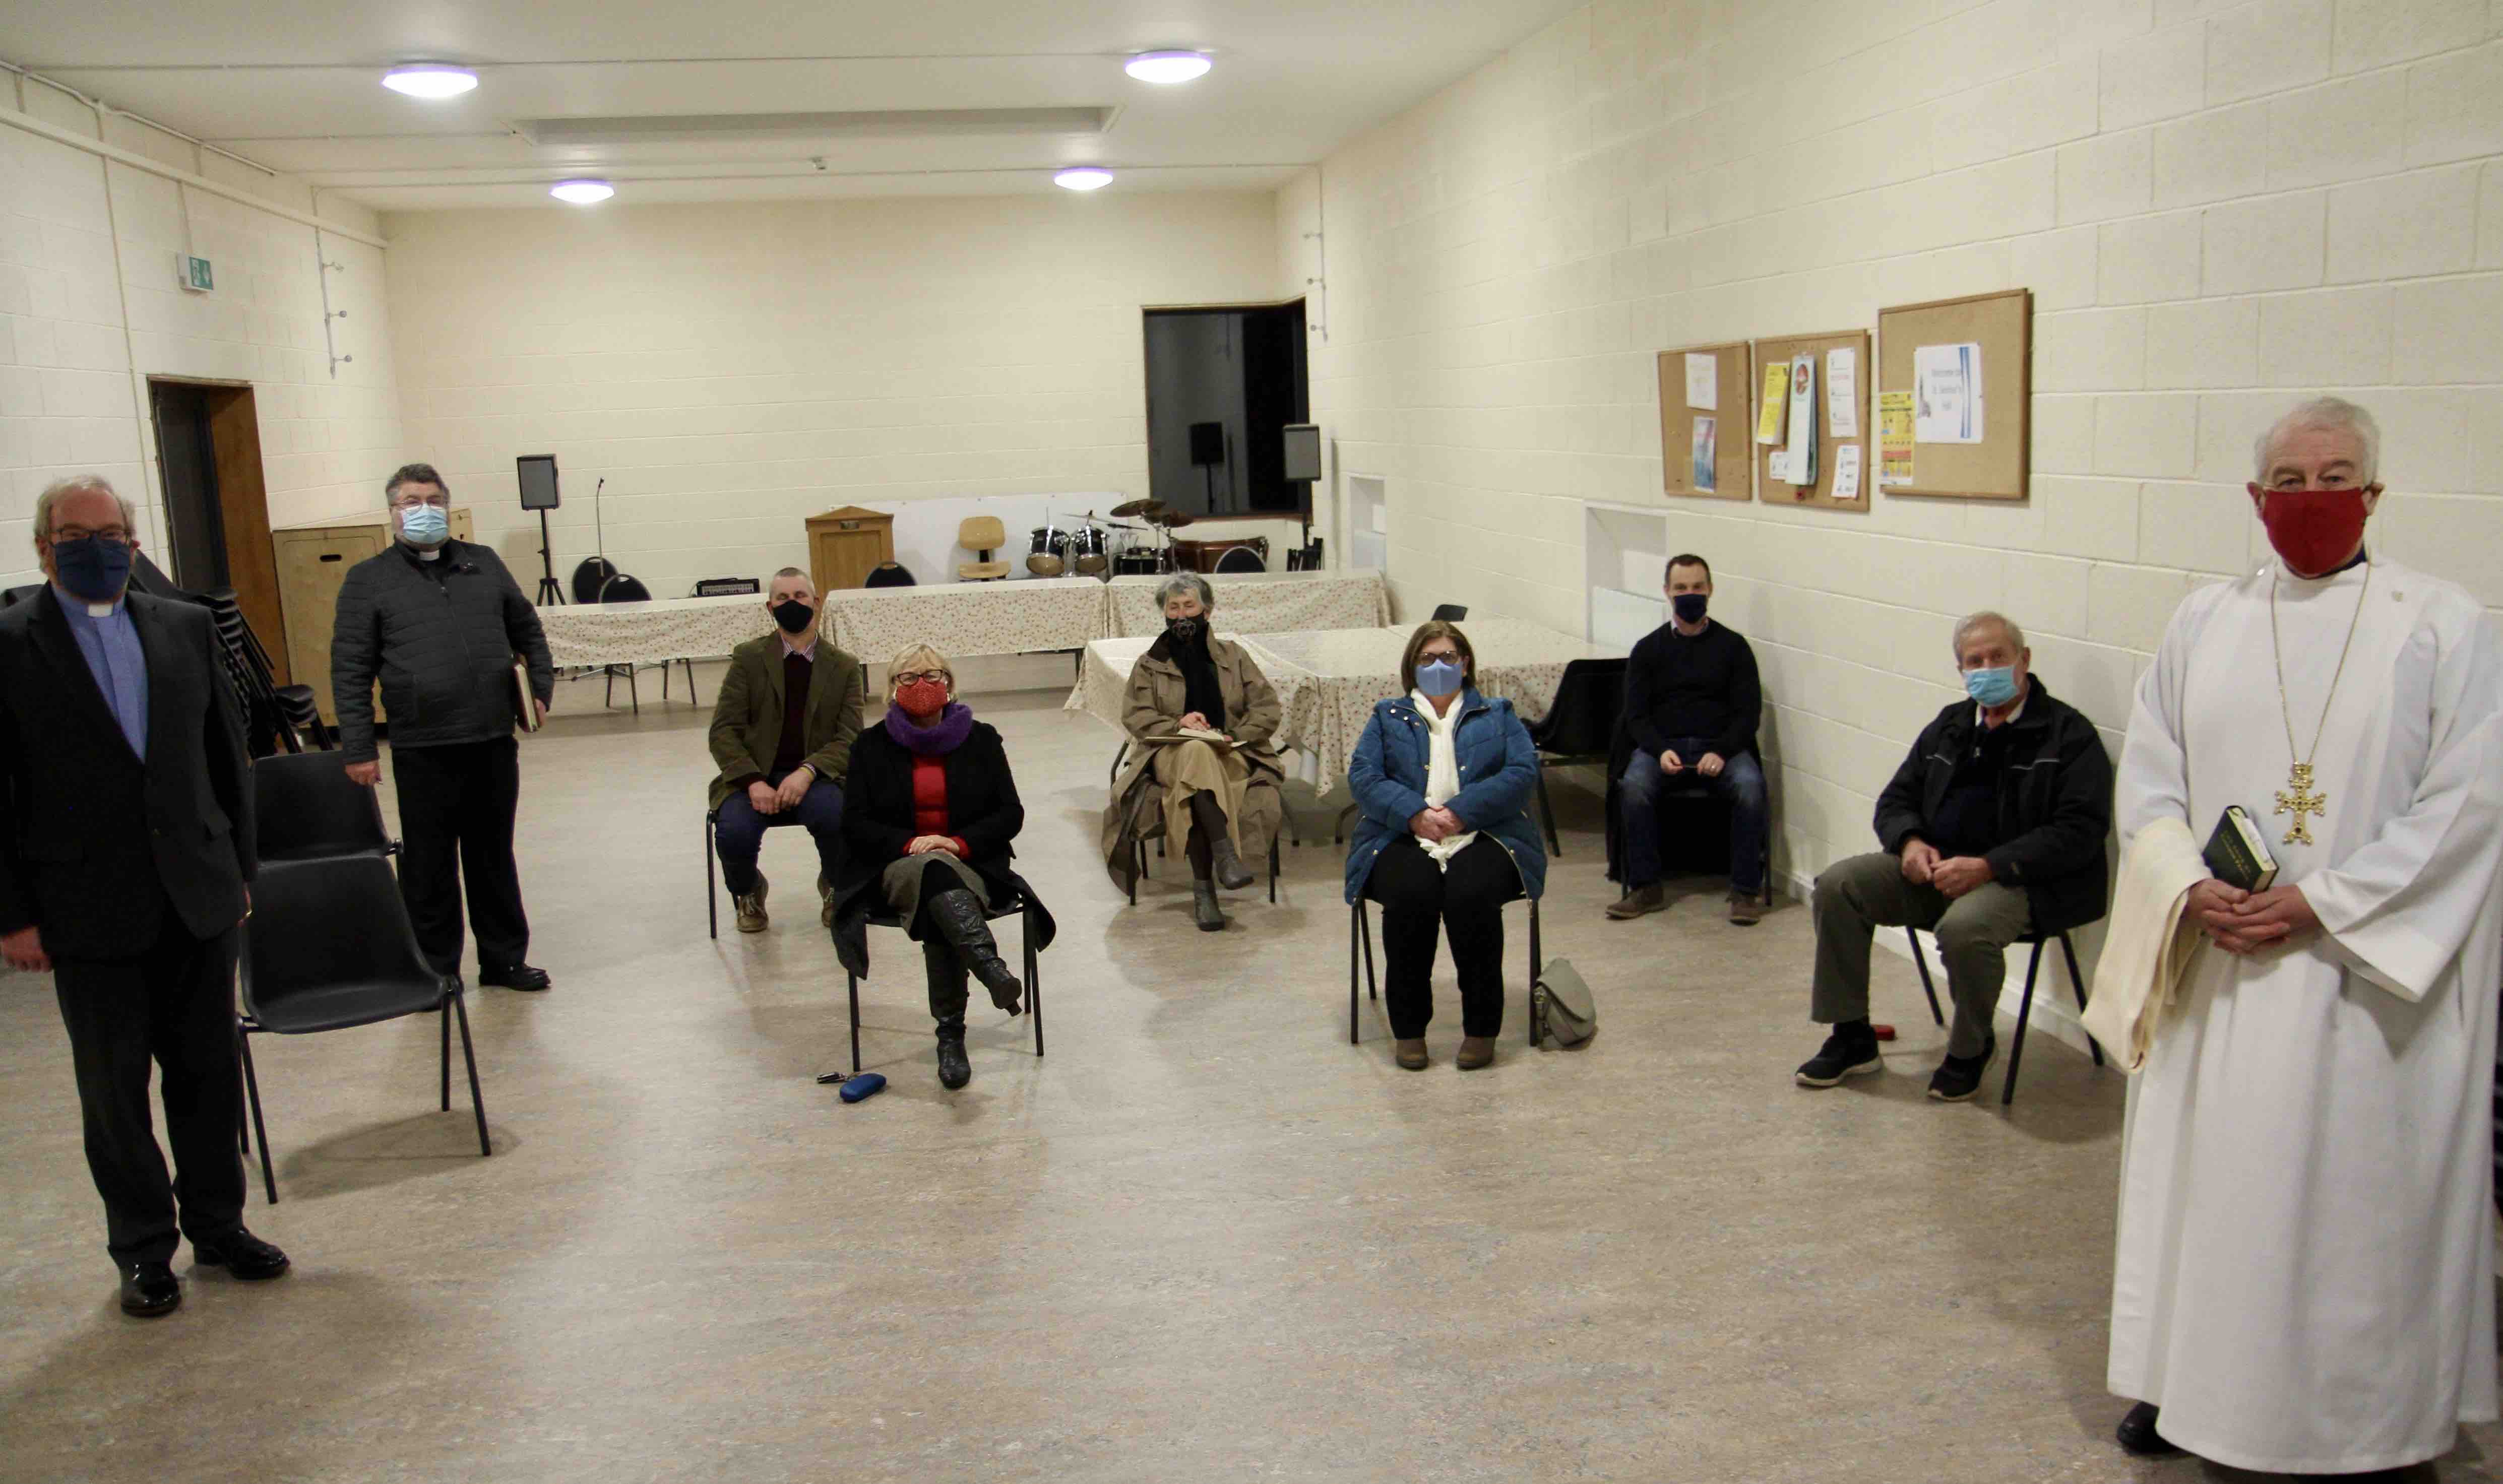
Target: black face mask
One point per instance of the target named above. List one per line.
(793, 616)
(1186, 630)
(1690, 606)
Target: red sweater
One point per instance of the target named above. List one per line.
(930, 801)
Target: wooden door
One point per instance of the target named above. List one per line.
(243, 506)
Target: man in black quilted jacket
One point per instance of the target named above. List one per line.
(440, 623)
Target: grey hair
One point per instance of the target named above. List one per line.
(1970, 622)
(2329, 414)
(413, 474)
(1187, 581)
(60, 489)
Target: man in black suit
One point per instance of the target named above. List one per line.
(126, 843)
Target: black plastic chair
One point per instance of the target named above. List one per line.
(1579, 724)
(890, 574)
(1021, 908)
(327, 945)
(2023, 1007)
(712, 878)
(310, 809)
(1452, 613)
(623, 588)
(11, 598)
(1360, 930)
(590, 574)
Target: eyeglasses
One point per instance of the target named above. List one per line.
(113, 533)
(917, 677)
(438, 500)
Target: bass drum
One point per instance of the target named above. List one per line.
(1088, 552)
(1045, 555)
(1202, 556)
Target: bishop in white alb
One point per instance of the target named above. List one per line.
(2304, 1279)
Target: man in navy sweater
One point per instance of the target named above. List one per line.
(1691, 702)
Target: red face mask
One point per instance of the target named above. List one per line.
(2313, 529)
(922, 696)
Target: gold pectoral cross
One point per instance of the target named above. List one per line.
(2299, 801)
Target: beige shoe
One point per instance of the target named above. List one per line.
(1476, 1051)
(1635, 903)
(826, 897)
(751, 907)
(1411, 1055)
(1747, 910)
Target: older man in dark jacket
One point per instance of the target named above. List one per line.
(1993, 827)
(440, 623)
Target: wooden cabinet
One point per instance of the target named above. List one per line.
(313, 560)
(844, 544)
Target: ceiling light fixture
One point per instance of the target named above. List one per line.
(1168, 67)
(430, 80)
(1083, 178)
(582, 192)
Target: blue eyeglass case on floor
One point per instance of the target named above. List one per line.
(867, 1084)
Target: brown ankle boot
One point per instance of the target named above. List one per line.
(1476, 1051)
(1411, 1055)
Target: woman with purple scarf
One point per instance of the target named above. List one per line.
(929, 809)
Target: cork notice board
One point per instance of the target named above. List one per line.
(1781, 491)
(2002, 325)
(1730, 416)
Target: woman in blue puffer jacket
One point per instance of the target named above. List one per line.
(1443, 778)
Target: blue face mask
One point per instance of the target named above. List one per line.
(93, 567)
(424, 525)
(1991, 688)
(1439, 677)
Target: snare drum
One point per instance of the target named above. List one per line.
(1047, 555)
(1088, 552)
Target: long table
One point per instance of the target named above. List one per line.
(1329, 679)
(1002, 618)
(1261, 602)
(650, 632)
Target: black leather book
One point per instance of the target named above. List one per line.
(2238, 854)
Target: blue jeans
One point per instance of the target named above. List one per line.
(739, 831)
(1742, 782)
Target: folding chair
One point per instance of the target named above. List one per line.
(1023, 908)
(2023, 1007)
(1360, 930)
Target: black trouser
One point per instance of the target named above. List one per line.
(1467, 902)
(456, 825)
(173, 1004)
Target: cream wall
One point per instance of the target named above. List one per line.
(2219, 207)
(733, 369)
(89, 309)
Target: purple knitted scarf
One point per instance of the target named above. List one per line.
(955, 725)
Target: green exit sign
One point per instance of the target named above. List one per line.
(194, 274)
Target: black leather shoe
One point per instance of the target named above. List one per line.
(959, 919)
(240, 1253)
(954, 1069)
(150, 1290)
(2137, 1435)
(514, 976)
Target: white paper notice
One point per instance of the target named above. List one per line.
(1947, 394)
(1846, 472)
(1703, 383)
(1800, 467)
(1842, 393)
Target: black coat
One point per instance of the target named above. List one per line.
(983, 810)
(82, 823)
(2055, 804)
(441, 638)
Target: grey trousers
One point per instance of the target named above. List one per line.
(1855, 896)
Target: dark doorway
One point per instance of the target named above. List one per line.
(1222, 385)
(217, 505)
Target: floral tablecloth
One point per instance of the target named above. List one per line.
(649, 633)
(1016, 617)
(1329, 679)
(1262, 602)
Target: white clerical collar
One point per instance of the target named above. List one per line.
(429, 553)
(72, 602)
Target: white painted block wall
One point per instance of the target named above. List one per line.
(2219, 207)
(89, 309)
(734, 369)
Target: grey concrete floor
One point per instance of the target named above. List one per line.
(1205, 1238)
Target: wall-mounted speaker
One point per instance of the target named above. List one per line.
(1207, 443)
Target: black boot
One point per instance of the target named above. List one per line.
(954, 1070)
(959, 917)
(1204, 908)
(1209, 822)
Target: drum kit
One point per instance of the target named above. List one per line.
(1123, 545)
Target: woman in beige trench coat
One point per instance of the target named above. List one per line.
(1220, 798)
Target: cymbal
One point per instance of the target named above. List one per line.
(1138, 507)
(1169, 518)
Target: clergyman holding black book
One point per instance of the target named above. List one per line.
(2304, 1276)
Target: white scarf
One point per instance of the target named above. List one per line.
(1442, 774)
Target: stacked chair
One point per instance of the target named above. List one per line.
(328, 944)
(276, 717)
